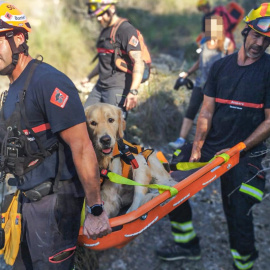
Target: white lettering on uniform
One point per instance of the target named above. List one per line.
(234, 107)
(237, 103)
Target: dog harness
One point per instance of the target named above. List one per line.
(125, 151)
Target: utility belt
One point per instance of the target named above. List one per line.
(46, 188)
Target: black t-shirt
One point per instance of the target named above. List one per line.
(51, 99)
(126, 37)
(241, 94)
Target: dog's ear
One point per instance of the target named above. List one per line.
(121, 124)
(86, 111)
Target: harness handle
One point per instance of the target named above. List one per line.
(118, 179)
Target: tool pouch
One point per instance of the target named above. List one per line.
(37, 193)
(11, 224)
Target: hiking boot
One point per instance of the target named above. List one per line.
(174, 251)
(177, 144)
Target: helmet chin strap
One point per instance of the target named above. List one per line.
(110, 14)
(244, 33)
(15, 53)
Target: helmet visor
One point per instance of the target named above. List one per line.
(261, 24)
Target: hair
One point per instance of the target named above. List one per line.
(25, 33)
(245, 31)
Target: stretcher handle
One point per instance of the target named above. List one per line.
(129, 217)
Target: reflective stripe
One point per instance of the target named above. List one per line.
(243, 266)
(184, 237)
(237, 256)
(252, 191)
(184, 227)
(239, 103)
(177, 152)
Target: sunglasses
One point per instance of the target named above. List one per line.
(261, 24)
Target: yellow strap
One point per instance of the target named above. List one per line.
(12, 231)
(186, 166)
(118, 179)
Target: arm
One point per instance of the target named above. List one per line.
(91, 75)
(137, 74)
(203, 126)
(191, 70)
(194, 67)
(87, 168)
(261, 133)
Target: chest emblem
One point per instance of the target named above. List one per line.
(59, 98)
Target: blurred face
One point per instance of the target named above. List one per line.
(104, 19)
(256, 44)
(214, 28)
(5, 53)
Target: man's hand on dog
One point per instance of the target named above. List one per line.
(96, 226)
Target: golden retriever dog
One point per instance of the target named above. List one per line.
(105, 124)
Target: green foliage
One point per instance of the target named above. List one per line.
(59, 38)
(164, 32)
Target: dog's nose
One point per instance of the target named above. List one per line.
(105, 140)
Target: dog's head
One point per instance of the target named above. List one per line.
(105, 125)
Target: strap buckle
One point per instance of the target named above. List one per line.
(126, 155)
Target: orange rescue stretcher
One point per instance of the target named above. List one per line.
(128, 226)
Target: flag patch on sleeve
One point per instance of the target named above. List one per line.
(134, 41)
(59, 98)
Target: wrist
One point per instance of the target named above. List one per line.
(134, 92)
(95, 210)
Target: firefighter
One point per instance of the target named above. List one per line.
(115, 86)
(236, 108)
(49, 152)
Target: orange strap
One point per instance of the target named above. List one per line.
(115, 28)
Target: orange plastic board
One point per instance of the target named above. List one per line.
(134, 223)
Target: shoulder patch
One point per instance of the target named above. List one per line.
(59, 98)
(133, 41)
